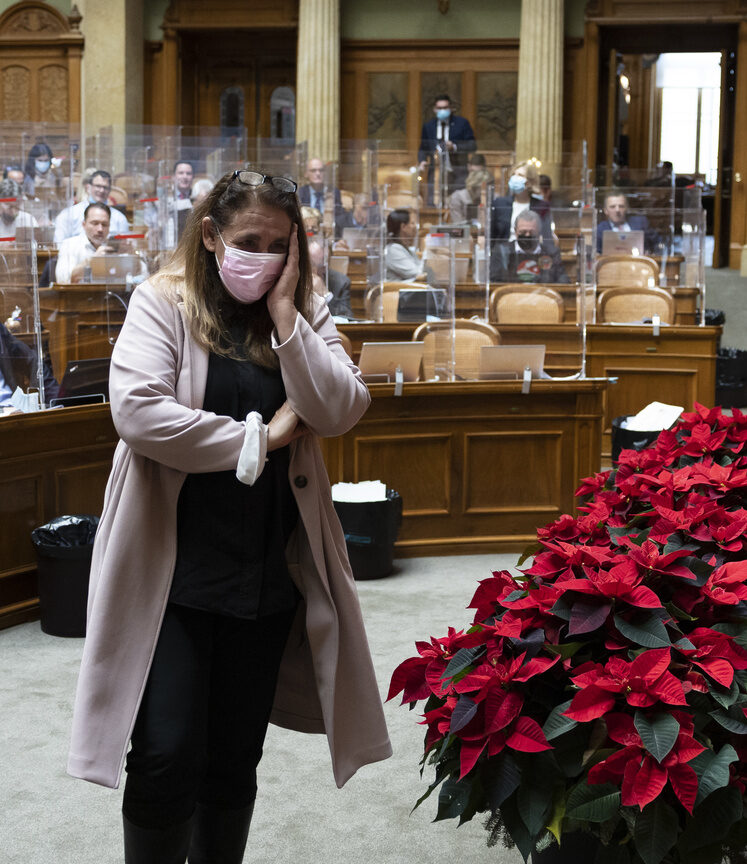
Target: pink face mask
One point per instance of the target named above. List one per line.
(247, 276)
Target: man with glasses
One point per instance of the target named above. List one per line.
(69, 222)
(314, 194)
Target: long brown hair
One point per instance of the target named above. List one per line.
(192, 273)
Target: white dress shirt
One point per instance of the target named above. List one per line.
(22, 220)
(69, 222)
(73, 251)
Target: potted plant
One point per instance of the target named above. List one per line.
(602, 694)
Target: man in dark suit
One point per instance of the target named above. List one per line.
(453, 137)
(15, 354)
(313, 193)
(530, 258)
(616, 211)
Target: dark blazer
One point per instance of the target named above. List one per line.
(637, 223)
(339, 285)
(463, 138)
(505, 262)
(501, 210)
(304, 197)
(15, 355)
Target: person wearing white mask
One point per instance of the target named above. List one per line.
(221, 596)
(523, 195)
(40, 170)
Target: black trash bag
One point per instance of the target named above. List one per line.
(629, 439)
(63, 562)
(731, 378)
(714, 317)
(371, 529)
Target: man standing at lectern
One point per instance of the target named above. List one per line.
(450, 135)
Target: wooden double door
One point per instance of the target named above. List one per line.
(229, 78)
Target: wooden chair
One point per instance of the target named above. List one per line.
(526, 304)
(346, 343)
(382, 306)
(469, 337)
(636, 271)
(630, 304)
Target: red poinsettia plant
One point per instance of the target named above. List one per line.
(604, 688)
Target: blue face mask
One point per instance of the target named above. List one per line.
(41, 166)
(516, 184)
(443, 114)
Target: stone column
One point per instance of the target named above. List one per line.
(318, 77)
(539, 120)
(112, 69)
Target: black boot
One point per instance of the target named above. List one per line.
(219, 836)
(156, 845)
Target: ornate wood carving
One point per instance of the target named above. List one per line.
(53, 89)
(40, 54)
(16, 93)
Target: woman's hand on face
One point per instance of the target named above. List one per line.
(284, 428)
(280, 298)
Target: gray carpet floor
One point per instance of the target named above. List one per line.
(300, 814)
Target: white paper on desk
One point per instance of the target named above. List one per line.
(366, 490)
(26, 402)
(654, 417)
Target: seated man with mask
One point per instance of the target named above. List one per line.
(69, 221)
(11, 215)
(529, 258)
(15, 355)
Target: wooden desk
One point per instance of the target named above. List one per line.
(51, 463)
(677, 367)
(479, 465)
(82, 320)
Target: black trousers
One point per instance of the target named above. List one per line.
(202, 722)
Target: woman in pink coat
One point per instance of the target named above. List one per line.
(221, 596)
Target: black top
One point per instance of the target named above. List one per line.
(231, 537)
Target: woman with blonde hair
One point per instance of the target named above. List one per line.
(523, 188)
(221, 596)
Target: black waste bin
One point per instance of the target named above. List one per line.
(371, 529)
(63, 562)
(629, 439)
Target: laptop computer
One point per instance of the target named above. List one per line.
(622, 242)
(422, 304)
(113, 268)
(84, 378)
(509, 361)
(379, 361)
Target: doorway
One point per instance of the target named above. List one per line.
(231, 80)
(670, 97)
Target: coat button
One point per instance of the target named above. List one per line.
(300, 481)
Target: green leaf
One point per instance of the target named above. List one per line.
(676, 542)
(725, 697)
(648, 631)
(500, 778)
(593, 803)
(556, 724)
(737, 726)
(678, 613)
(562, 607)
(452, 799)
(462, 660)
(566, 650)
(657, 733)
(534, 801)
(530, 551)
(656, 830)
(712, 770)
(713, 818)
(516, 828)
(737, 631)
(699, 568)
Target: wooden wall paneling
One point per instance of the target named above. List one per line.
(153, 95)
(574, 92)
(591, 89)
(51, 463)
(41, 53)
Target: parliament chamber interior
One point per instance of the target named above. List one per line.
(508, 285)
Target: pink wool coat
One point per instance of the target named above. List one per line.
(157, 387)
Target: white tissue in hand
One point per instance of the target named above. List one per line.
(254, 451)
(367, 490)
(26, 402)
